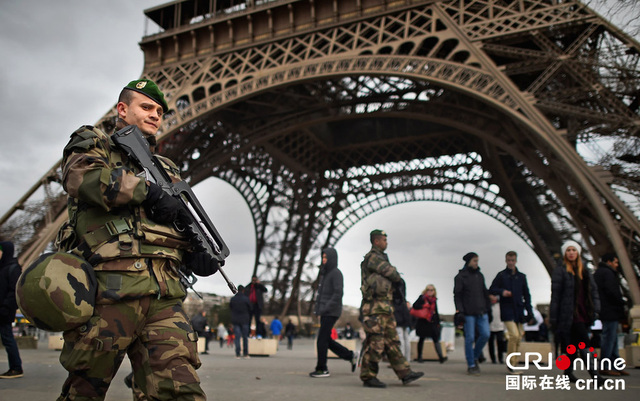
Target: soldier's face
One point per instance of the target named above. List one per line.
(143, 112)
(381, 242)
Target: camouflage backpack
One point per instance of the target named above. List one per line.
(57, 292)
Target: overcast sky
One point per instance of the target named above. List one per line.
(63, 66)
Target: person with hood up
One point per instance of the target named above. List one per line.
(9, 273)
(471, 297)
(329, 308)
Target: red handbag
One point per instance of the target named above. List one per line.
(420, 313)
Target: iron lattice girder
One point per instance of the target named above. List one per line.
(423, 22)
(569, 110)
(390, 30)
(356, 153)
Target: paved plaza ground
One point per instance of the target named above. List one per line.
(284, 376)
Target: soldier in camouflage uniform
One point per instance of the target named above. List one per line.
(123, 226)
(378, 280)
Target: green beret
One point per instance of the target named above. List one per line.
(377, 232)
(149, 88)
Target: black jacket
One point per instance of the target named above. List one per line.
(9, 273)
(260, 290)
(512, 308)
(563, 299)
(470, 292)
(330, 288)
(611, 302)
(290, 329)
(240, 309)
(399, 302)
(425, 328)
(199, 324)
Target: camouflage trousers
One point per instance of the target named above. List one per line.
(382, 338)
(138, 395)
(157, 336)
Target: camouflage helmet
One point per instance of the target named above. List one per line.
(57, 292)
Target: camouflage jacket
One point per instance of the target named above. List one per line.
(107, 224)
(378, 278)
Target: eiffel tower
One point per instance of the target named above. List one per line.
(322, 112)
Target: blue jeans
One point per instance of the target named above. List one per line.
(609, 340)
(241, 330)
(6, 332)
(471, 324)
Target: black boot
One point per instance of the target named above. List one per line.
(438, 348)
(420, 347)
(374, 382)
(592, 372)
(412, 376)
(570, 375)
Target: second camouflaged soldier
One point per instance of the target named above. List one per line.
(124, 227)
(379, 324)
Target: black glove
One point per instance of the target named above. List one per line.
(161, 207)
(529, 319)
(458, 319)
(183, 219)
(201, 263)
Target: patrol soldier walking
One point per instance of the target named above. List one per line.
(123, 226)
(378, 279)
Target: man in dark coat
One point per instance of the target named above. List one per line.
(512, 288)
(255, 291)
(201, 326)
(241, 318)
(329, 308)
(9, 273)
(611, 309)
(471, 297)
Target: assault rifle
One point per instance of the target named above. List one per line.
(200, 230)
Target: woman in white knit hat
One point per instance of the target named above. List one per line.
(574, 305)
